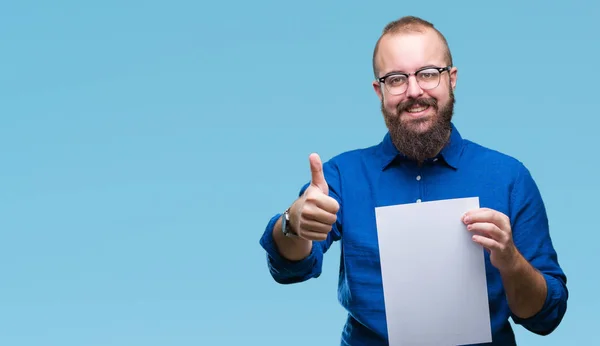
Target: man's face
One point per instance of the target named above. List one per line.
(418, 119)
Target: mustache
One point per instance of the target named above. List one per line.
(417, 102)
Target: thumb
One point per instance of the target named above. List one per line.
(316, 169)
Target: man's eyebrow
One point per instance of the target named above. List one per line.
(395, 72)
(403, 72)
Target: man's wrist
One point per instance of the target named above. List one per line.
(290, 248)
(286, 225)
(517, 267)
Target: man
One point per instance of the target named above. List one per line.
(421, 158)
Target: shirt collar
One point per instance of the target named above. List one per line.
(451, 152)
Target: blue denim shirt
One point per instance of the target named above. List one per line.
(363, 179)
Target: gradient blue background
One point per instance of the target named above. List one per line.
(145, 145)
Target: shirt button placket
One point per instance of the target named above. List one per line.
(420, 189)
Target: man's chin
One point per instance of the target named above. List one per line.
(418, 125)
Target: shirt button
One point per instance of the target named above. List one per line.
(419, 200)
(418, 177)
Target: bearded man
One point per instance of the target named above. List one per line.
(422, 157)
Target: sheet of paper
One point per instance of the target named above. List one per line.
(434, 279)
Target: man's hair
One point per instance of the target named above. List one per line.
(409, 24)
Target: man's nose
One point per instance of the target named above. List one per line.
(414, 90)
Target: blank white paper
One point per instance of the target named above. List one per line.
(434, 280)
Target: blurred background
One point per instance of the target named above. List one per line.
(144, 145)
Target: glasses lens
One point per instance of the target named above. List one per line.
(428, 79)
(396, 84)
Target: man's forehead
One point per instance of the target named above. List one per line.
(413, 49)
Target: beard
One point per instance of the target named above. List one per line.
(420, 145)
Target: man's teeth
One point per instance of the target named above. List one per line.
(417, 109)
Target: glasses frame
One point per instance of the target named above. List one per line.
(439, 69)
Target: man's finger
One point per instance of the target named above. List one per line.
(317, 176)
(320, 214)
(488, 230)
(487, 215)
(315, 236)
(487, 243)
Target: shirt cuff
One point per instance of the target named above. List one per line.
(285, 271)
(553, 310)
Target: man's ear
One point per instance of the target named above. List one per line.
(377, 88)
(453, 77)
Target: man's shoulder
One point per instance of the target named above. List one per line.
(354, 156)
(490, 157)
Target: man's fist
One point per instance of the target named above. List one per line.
(313, 215)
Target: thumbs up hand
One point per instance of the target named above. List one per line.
(315, 212)
(317, 176)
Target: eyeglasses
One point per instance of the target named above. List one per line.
(428, 78)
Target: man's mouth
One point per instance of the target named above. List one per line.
(417, 109)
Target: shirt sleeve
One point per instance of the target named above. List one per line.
(285, 271)
(531, 235)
